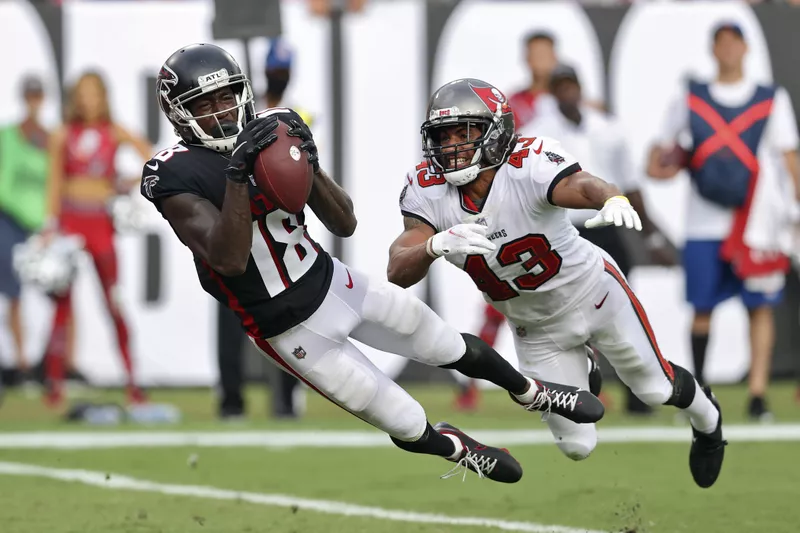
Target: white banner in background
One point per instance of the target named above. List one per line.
(385, 99)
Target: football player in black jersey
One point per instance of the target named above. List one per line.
(299, 305)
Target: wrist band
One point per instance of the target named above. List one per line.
(429, 248)
(620, 196)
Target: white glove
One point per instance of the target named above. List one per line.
(464, 239)
(618, 211)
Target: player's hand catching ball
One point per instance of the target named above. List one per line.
(618, 211)
(466, 239)
(298, 128)
(256, 135)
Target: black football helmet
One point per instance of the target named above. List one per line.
(475, 104)
(195, 70)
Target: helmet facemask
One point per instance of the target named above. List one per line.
(224, 135)
(460, 163)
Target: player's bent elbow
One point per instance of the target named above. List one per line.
(343, 228)
(393, 276)
(399, 274)
(230, 269)
(350, 227)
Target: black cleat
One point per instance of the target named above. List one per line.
(595, 376)
(573, 403)
(708, 450)
(487, 461)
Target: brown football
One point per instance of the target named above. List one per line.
(282, 172)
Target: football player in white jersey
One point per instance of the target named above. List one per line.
(496, 205)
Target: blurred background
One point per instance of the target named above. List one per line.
(360, 72)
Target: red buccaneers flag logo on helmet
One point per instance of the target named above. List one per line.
(492, 98)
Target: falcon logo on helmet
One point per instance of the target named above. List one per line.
(194, 71)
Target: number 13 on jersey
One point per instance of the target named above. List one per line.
(540, 262)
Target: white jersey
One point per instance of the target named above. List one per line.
(542, 268)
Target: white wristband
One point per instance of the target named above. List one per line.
(429, 248)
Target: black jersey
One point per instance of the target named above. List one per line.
(287, 275)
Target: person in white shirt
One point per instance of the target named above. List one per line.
(597, 141)
(729, 133)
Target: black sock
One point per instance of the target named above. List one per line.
(699, 345)
(683, 388)
(431, 442)
(481, 362)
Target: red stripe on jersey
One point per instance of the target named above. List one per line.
(248, 321)
(278, 263)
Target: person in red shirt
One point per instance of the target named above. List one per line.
(541, 58)
(82, 181)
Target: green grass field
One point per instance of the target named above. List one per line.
(622, 487)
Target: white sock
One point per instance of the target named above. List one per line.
(702, 413)
(459, 447)
(530, 395)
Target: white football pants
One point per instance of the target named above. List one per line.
(381, 315)
(612, 320)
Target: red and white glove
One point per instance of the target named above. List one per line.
(463, 239)
(618, 211)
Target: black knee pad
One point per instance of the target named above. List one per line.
(684, 388)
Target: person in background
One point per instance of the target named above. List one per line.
(83, 179)
(744, 140)
(23, 193)
(540, 55)
(597, 140)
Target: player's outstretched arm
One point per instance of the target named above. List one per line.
(332, 205)
(585, 191)
(412, 253)
(409, 260)
(221, 239)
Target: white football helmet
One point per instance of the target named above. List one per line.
(50, 266)
(128, 214)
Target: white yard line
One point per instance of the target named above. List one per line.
(118, 482)
(362, 439)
